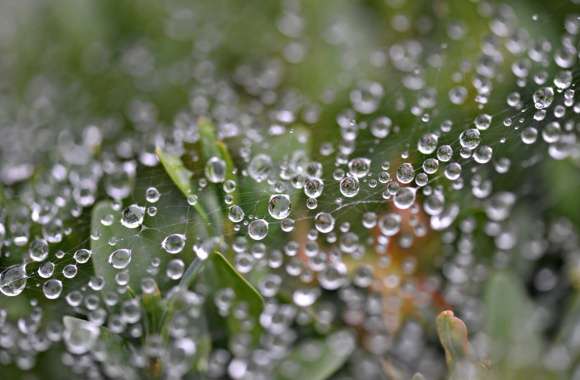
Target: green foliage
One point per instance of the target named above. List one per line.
(317, 359)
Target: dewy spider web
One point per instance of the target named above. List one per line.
(325, 235)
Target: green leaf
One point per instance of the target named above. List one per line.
(178, 173)
(198, 328)
(212, 147)
(181, 177)
(511, 325)
(570, 322)
(173, 217)
(154, 307)
(208, 138)
(175, 305)
(191, 273)
(317, 359)
(292, 149)
(220, 274)
(189, 276)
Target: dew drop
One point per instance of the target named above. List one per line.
(258, 229)
(279, 206)
(215, 170)
(52, 289)
(324, 222)
(120, 258)
(13, 280)
(235, 214)
(173, 243)
(349, 186)
(132, 216)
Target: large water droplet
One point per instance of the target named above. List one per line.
(279, 206)
(52, 289)
(349, 186)
(173, 243)
(258, 229)
(13, 280)
(324, 222)
(79, 336)
(120, 258)
(215, 170)
(132, 216)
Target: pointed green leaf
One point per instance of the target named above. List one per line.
(220, 274)
(178, 173)
(181, 177)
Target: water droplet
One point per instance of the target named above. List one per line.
(483, 121)
(381, 127)
(235, 214)
(427, 143)
(215, 170)
(52, 289)
(258, 229)
(79, 336)
(279, 206)
(120, 258)
(132, 216)
(359, 167)
(405, 173)
(13, 280)
(152, 195)
(175, 269)
(390, 224)
(469, 138)
(38, 250)
(404, 197)
(313, 187)
(173, 243)
(260, 167)
(349, 186)
(81, 256)
(543, 97)
(324, 222)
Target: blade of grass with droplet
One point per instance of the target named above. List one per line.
(211, 146)
(181, 177)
